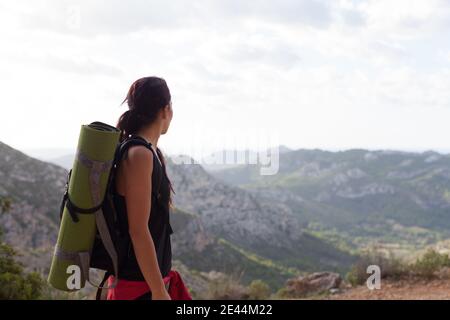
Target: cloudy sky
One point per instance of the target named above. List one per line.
(306, 74)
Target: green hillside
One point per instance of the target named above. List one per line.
(359, 196)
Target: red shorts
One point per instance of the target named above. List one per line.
(130, 290)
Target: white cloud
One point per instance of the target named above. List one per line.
(317, 73)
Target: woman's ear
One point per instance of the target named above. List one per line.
(166, 111)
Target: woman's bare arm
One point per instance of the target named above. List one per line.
(138, 167)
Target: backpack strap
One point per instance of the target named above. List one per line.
(73, 209)
(136, 140)
(98, 295)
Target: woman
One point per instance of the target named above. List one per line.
(148, 266)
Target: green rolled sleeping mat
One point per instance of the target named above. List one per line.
(81, 210)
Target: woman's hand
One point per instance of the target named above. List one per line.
(161, 295)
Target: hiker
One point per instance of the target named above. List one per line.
(147, 272)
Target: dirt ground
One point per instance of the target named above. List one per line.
(420, 289)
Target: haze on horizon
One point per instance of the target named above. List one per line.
(332, 75)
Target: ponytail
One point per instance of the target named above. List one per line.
(122, 125)
(129, 123)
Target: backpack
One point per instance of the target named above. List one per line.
(112, 241)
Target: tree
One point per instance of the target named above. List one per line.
(14, 282)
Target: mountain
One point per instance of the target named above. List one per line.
(217, 227)
(227, 159)
(46, 154)
(65, 161)
(202, 251)
(357, 194)
(35, 188)
(268, 229)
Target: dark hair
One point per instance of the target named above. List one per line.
(145, 98)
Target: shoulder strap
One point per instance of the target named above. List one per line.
(133, 141)
(136, 140)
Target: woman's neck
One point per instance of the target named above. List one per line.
(151, 134)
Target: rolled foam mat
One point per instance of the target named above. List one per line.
(86, 189)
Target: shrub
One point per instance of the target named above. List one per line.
(431, 262)
(390, 267)
(282, 293)
(426, 266)
(5, 204)
(226, 287)
(14, 283)
(258, 290)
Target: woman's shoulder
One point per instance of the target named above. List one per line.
(139, 156)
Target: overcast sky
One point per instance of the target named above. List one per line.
(306, 74)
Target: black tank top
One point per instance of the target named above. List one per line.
(159, 224)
